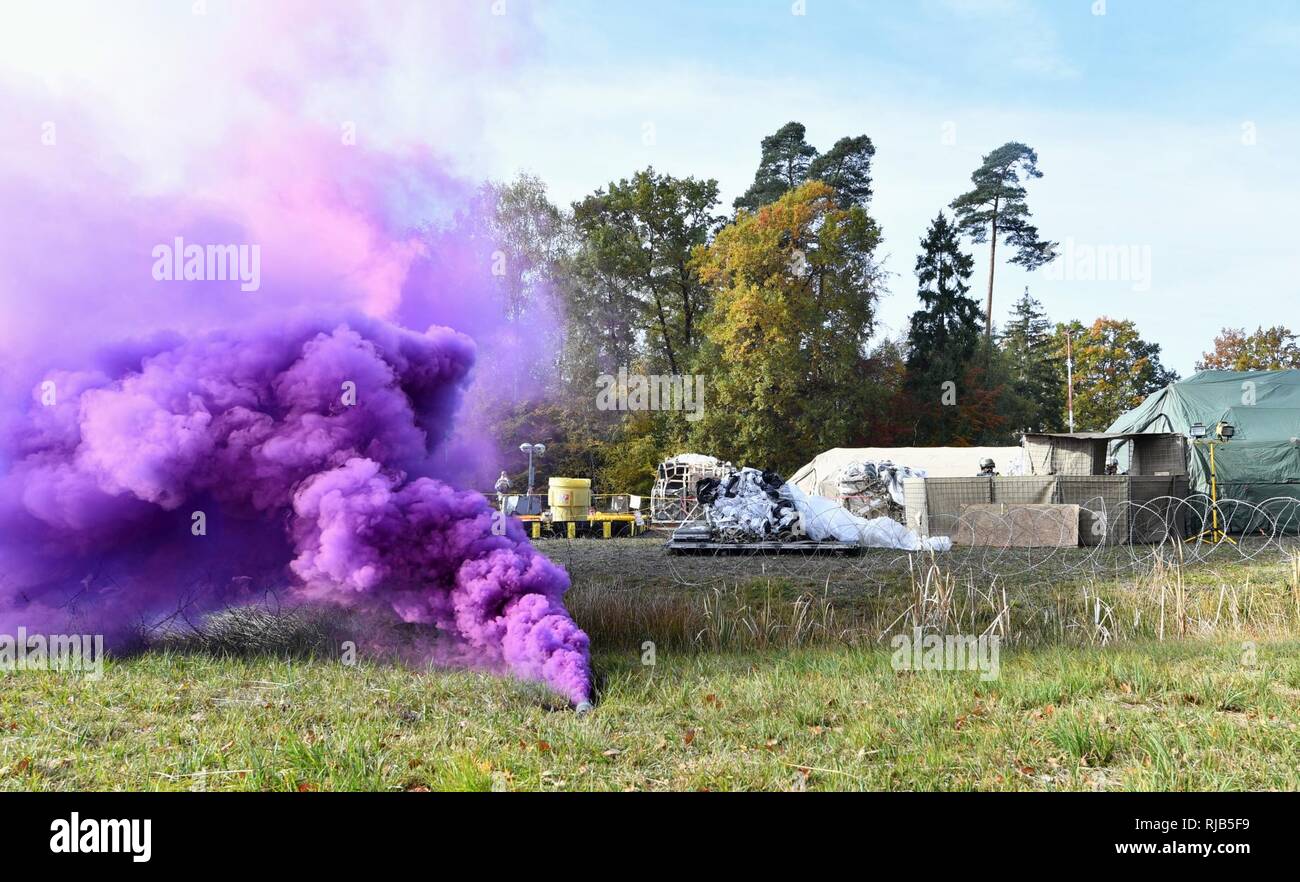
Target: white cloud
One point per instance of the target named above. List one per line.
(1014, 32)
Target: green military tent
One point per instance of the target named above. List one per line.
(1262, 461)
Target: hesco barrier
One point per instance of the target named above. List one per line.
(1113, 509)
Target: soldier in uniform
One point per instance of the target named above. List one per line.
(502, 487)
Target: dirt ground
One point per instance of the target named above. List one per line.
(645, 561)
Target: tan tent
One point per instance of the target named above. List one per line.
(821, 475)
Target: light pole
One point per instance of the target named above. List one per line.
(1223, 432)
(1069, 378)
(532, 450)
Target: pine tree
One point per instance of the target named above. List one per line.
(788, 161)
(787, 156)
(1037, 375)
(996, 209)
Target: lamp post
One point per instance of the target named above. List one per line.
(1222, 432)
(532, 450)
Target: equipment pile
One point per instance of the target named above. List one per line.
(748, 506)
(874, 489)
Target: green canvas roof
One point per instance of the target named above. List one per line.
(1262, 461)
(1261, 405)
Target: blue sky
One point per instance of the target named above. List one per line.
(1166, 130)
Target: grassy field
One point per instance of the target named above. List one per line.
(1187, 715)
(766, 675)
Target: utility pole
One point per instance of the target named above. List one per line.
(1069, 378)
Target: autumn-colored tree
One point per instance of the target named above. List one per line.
(1114, 370)
(1267, 349)
(794, 287)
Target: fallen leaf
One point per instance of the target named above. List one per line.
(688, 736)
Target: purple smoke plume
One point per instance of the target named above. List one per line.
(128, 404)
(312, 439)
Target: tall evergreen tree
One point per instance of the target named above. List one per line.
(786, 159)
(847, 168)
(996, 208)
(1036, 373)
(943, 336)
(789, 161)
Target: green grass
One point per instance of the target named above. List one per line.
(1173, 715)
(772, 674)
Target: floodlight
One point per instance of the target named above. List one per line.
(1197, 430)
(532, 450)
(1226, 431)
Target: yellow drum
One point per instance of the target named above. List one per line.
(569, 498)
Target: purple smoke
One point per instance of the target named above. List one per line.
(307, 443)
(129, 404)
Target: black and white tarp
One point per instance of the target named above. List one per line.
(749, 505)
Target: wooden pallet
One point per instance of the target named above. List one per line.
(687, 546)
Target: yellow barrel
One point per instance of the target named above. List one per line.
(569, 498)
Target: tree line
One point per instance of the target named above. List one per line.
(774, 305)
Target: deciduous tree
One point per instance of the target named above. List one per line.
(1267, 349)
(1114, 370)
(794, 291)
(638, 237)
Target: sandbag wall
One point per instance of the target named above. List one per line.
(1114, 509)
